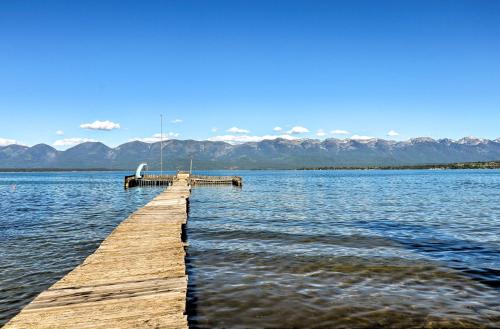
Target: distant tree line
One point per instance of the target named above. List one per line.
(56, 169)
(458, 165)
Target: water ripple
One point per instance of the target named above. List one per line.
(349, 249)
(346, 249)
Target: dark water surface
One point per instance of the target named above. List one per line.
(345, 249)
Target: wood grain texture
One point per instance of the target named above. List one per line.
(135, 279)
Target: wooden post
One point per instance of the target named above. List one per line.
(161, 144)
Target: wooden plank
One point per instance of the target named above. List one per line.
(135, 279)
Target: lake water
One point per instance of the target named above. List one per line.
(290, 249)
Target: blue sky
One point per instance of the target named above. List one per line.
(417, 68)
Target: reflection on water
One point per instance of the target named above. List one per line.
(347, 249)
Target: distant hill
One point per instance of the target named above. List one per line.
(267, 154)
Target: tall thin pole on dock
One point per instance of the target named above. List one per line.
(161, 144)
(191, 167)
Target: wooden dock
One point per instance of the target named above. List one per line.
(135, 279)
(216, 180)
(148, 180)
(166, 180)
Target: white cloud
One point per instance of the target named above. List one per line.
(176, 121)
(392, 133)
(72, 141)
(59, 132)
(171, 134)
(298, 130)
(235, 139)
(100, 125)
(339, 132)
(7, 141)
(214, 129)
(156, 137)
(277, 129)
(236, 130)
(320, 133)
(361, 137)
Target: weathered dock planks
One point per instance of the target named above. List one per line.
(135, 279)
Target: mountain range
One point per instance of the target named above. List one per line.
(267, 154)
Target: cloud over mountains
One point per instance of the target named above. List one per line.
(100, 125)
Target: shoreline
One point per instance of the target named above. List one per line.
(441, 166)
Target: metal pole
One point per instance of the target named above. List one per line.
(191, 167)
(161, 144)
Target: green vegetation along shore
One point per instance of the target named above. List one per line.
(458, 165)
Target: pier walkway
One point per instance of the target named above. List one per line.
(135, 279)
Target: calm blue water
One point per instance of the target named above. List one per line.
(290, 249)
